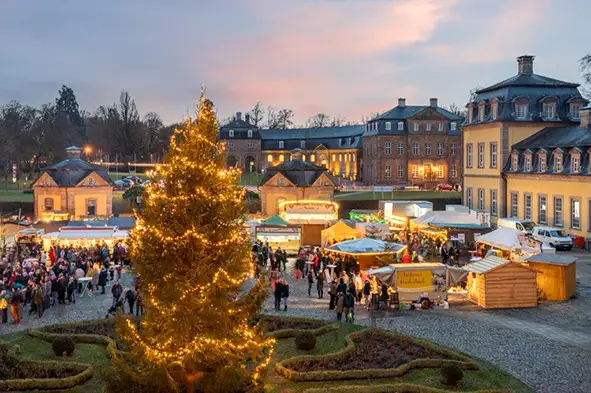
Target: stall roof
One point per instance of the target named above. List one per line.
(503, 238)
(552, 259)
(343, 228)
(486, 265)
(87, 234)
(450, 219)
(366, 246)
(275, 220)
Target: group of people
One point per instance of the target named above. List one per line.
(44, 280)
(264, 255)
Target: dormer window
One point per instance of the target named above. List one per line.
(527, 163)
(514, 162)
(543, 165)
(574, 111)
(575, 163)
(250, 133)
(453, 126)
(470, 113)
(548, 110)
(281, 145)
(400, 126)
(302, 144)
(388, 126)
(481, 109)
(521, 111)
(494, 108)
(558, 162)
(231, 133)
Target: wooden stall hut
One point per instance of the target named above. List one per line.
(495, 282)
(556, 276)
(338, 233)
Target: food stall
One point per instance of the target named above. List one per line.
(556, 275)
(367, 252)
(279, 233)
(512, 243)
(339, 232)
(312, 215)
(84, 236)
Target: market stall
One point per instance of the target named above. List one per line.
(84, 237)
(339, 232)
(512, 243)
(312, 215)
(499, 283)
(366, 251)
(556, 275)
(279, 233)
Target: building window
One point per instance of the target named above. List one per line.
(574, 111)
(230, 145)
(493, 155)
(528, 166)
(415, 171)
(514, 162)
(340, 158)
(401, 149)
(312, 158)
(415, 149)
(249, 145)
(388, 126)
(575, 213)
(548, 110)
(249, 133)
(334, 157)
(400, 126)
(453, 149)
(303, 157)
(542, 209)
(469, 198)
(281, 158)
(280, 181)
(374, 149)
(91, 207)
(231, 133)
(400, 172)
(428, 149)
(387, 148)
(374, 171)
(527, 213)
(302, 144)
(514, 204)
(90, 181)
(48, 203)
(388, 171)
(270, 158)
(558, 162)
(521, 111)
(281, 145)
(416, 126)
(481, 155)
(428, 127)
(481, 199)
(468, 155)
(470, 113)
(575, 163)
(440, 127)
(494, 110)
(453, 126)
(440, 149)
(543, 164)
(440, 171)
(493, 203)
(453, 172)
(481, 112)
(558, 217)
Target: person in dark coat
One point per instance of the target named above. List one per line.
(102, 280)
(310, 281)
(342, 287)
(130, 297)
(284, 293)
(61, 289)
(277, 293)
(320, 284)
(117, 290)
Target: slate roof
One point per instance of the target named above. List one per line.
(70, 172)
(528, 80)
(300, 173)
(552, 259)
(240, 128)
(403, 114)
(123, 223)
(342, 137)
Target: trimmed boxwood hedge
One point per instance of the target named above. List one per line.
(390, 388)
(288, 333)
(83, 373)
(282, 368)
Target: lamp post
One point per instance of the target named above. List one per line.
(88, 151)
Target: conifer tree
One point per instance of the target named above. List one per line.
(193, 255)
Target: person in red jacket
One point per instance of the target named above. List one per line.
(406, 257)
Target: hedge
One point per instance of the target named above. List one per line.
(389, 388)
(84, 374)
(288, 333)
(282, 368)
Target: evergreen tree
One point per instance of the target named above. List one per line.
(67, 103)
(193, 255)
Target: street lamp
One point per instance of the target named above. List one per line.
(87, 151)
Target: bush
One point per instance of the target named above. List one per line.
(305, 341)
(63, 345)
(230, 380)
(451, 374)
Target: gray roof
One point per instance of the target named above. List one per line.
(342, 137)
(300, 173)
(528, 80)
(403, 113)
(70, 172)
(240, 128)
(486, 265)
(120, 222)
(552, 259)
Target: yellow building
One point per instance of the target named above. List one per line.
(501, 116)
(73, 189)
(295, 180)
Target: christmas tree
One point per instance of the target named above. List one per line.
(192, 252)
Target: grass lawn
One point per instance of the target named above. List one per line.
(15, 196)
(395, 195)
(251, 179)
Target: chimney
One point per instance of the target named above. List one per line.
(525, 64)
(247, 118)
(585, 115)
(402, 102)
(433, 102)
(239, 116)
(73, 152)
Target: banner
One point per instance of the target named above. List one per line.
(414, 279)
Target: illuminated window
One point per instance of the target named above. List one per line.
(312, 158)
(440, 171)
(334, 157)
(281, 158)
(48, 203)
(303, 157)
(415, 171)
(270, 158)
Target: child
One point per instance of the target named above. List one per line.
(71, 290)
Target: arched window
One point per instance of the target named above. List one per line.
(231, 133)
(250, 133)
(281, 145)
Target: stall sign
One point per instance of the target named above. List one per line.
(282, 230)
(462, 237)
(414, 279)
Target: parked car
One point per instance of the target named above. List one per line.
(525, 226)
(555, 237)
(444, 187)
(134, 179)
(123, 184)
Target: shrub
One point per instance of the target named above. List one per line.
(63, 345)
(305, 341)
(451, 374)
(230, 380)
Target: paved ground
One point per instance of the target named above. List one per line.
(548, 347)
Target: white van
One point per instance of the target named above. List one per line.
(525, 226)
(555, 237)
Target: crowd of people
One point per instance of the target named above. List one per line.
(42, 280)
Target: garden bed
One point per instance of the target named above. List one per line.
(275, 324)
(101, 328)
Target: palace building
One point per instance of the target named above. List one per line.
(417, 145)
(524, 150)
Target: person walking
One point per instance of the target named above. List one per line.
(349, 307)
(130, 297)
(278, 291)
(102, 279)
(333, 295)
(16, 306)
(320, 284)
(284, 293)
(38, 300)
(310, 282)
(4, 298)
(116, 291)
(340, 306)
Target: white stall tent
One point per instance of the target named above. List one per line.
(84, 236)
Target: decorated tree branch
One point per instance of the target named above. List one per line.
(193, 255)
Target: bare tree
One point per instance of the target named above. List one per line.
(272, 120)
(456, 109)
(338, 121)
(284, 118)
(319, 120)
(585, 63)
(256, 114)
(130, 122)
